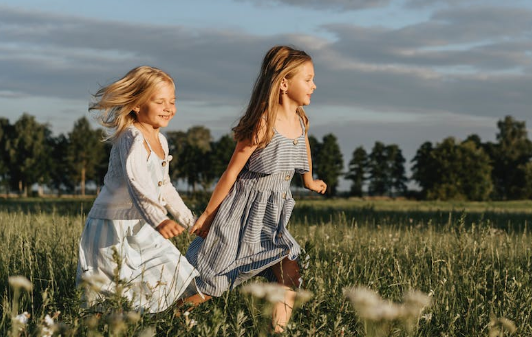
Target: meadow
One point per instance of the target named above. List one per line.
(470, 262)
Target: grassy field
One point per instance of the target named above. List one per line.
(471, 260)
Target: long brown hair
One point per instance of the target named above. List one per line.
(279, 62)
(117, 100)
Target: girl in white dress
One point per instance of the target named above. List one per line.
(129, 216)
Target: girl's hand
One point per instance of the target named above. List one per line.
(169, 228)
(318, 186)
(202, 226)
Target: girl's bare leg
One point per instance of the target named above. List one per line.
(287, 274)
(191, 302)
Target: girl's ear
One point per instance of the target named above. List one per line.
(136, 109)
(284, 84)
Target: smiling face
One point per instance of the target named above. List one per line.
(160, 108)
(301, 86)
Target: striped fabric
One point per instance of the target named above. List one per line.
(154, 272)
(249, 233)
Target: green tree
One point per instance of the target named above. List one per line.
(357, 171)
(103, 165)
(221, 153)
(85, 152)
(396, 169)
(509, 156)
(330, 163)
(475, 168)
(60, 167)
(315, 149)
(423, 168)
(6, 133)
(527, 175)
(193, 149)
(462, 171)
(379, 180)
(28, 153)
(177, 141)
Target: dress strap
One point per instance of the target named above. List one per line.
(302, 125)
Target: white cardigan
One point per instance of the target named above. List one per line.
(129, 192)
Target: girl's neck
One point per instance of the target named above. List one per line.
(286, 112)
(148, 130)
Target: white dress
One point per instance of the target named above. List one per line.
(152, 271)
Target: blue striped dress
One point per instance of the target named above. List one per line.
(249, 233)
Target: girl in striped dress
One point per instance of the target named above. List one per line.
(243, 231)
(127, 226)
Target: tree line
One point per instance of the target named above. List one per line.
(450, 169)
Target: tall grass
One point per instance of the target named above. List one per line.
(473, 264)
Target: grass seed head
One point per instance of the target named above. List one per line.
(20, 282)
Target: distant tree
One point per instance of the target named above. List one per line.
(6, 133)
(462, 171)
(475, 139)
(396, 168)
(28, 153)
(60, 167)
(509, 156)
(177, 141)
(475, 171)
(379, 179)
(315, 149)
(86, 152)
(102, 166)
(423, 168)
(447, 174)
(221, 153)
(193, 149)
(357, 171)
(527, 175)
(330, 163)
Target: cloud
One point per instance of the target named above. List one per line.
(472, 61)
(472, 37)
(332, 5)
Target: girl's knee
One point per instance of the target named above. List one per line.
(287, 274)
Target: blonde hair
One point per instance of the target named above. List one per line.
(117, 100)
(279, 62)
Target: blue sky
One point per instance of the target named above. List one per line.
(396, 71)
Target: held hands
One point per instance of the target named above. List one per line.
(317, 185)
(202, 226)
(169, 228)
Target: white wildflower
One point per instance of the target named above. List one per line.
(271, 292)
(302, 296)
(372, 307)
(48, 321)
(149, 332)
(498, 325)
(427, 317)
(18, 282)
(133, 317)
(46, 332)
(415, 302)
(22, 318)
(306, 262)
(94, 281)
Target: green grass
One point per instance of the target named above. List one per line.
(473, 259)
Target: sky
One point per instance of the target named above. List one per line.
(397, 71)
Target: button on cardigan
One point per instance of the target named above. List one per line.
(128, 191)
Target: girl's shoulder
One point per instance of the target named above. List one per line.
(129, 136)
